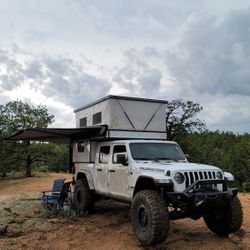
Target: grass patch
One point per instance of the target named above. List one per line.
(42, 169)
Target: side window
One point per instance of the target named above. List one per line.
(118, 149)
(80, 147)
(104, 154)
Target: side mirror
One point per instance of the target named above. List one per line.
(122, 159)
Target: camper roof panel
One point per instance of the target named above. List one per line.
(120, 98)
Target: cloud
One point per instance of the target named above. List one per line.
(226, 112)
(11, 72)
(213, 56)
(91, 26)
(140, 73)
(57, 77)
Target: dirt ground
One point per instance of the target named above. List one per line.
(22, 225)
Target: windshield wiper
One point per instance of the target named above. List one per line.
(164, 158)
(143, 159)
(157, 159)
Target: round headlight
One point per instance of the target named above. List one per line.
(219, 175)
(179, 178)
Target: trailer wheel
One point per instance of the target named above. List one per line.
(150, 218)
(226, 221)
(83, 197)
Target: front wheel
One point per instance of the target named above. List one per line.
(226, 221)
(150, 218)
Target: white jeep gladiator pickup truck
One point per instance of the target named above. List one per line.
(118, 150)
(155, 177)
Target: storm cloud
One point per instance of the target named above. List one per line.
(213, 56)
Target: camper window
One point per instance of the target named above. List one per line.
(83, 122)
(97, 118)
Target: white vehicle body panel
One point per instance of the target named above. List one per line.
(117, 180)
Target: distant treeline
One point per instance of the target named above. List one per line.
(223, 149)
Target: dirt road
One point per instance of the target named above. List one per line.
(108, 227)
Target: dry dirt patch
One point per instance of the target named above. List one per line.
(35, 184)
(108, 227)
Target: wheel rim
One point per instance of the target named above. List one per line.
(142, 218)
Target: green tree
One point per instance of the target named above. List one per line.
(58, 161)
(238, 162)
(15, 116)
(180, 118)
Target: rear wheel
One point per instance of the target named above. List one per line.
(226, 221)
(150, 217)
(83, 197)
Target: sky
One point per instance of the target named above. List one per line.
(65, 54)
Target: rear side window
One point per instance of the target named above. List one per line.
(104, 154)
(118, 149)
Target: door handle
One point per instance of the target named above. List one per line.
(111, 170)
(99, 169)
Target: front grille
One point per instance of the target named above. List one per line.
(191, 177)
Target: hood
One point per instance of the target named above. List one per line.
(185, 166)
(164, 166)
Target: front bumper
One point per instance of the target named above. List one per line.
(198, 200)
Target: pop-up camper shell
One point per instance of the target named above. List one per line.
(125, 117)
(110, 118)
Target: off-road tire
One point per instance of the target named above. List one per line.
(150, 217)
(83, 201)
(228, 220)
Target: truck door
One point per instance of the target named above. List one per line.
(101, 169)
(118, 173)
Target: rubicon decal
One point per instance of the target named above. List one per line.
(158, 170)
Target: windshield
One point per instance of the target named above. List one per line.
(156, 151)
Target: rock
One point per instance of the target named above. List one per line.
(28, 224)
(15, 230)
(17, 220)
(43, 226)
(8, 209)
(3, 229)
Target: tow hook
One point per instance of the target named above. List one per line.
(198, 202)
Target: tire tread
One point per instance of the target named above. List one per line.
(159, 217)
(230, 222)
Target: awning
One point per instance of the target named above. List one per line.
(58, 135)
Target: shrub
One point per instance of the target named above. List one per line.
(42, 169)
